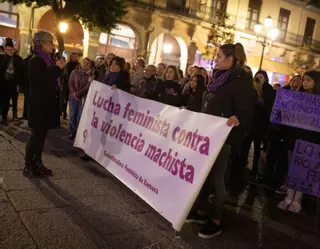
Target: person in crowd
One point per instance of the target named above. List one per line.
(192, 95)
(160, 71)
(100, 71)
(169, 91)
(229, 96)
(276, 86)
(268, 96)
(204, 73)
(184, 81)
(294, 84)
(180, 74)
(71, 65)
(43, 110)
(137, 75)
(118, 77)
(148, 83)
(108, 60)
(1, 50)
(11, 76)
(128, 67)
(26, 85)
(310, 85)
(79, 84)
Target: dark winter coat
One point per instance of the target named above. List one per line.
(193, 100)
(146, 87)
(234, 98)
(123, 81)
(43, 110)
(18, 71)
(168, 92)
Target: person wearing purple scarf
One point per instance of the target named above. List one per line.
(43, 108)
(229, 96)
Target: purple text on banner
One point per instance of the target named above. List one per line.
(304, 169)
(297, 109)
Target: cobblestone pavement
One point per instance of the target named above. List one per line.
(84, 207)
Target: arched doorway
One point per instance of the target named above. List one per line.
(121, 41)
(73, 38)
(169, 49)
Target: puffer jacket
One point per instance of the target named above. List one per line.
(79, 84)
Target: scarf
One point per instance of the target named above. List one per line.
(111, 78)
(48, 60)
(218, 79)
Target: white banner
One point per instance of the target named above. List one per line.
(160, 152)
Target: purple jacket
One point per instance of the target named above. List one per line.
(79, 84)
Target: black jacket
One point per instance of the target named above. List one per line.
(18, 69)
(43, 109)
(168, 92)
(146, 87)
(234, 98)
(193, 100)
(123, 81)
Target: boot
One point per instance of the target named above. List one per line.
(39, 165)
(15, 116)
(30, 170)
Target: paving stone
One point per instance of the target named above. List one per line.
(61, 228)
(11, 160)
(3, 197)
(5, 145)
(138, 240)
(36, 199)
(72, 188)
(111, 217)
(14, 180)
(13, 234)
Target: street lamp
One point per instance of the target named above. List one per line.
(267, 32)
(63, 26)
(167, 48)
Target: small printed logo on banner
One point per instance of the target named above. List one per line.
(85, 135)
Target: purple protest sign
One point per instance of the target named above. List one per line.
(304, 169)
(297, 109)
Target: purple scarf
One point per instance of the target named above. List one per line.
(110, 78)
(48, 60)
(218, 79)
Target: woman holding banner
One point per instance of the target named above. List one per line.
(310, 85)
(43, 110)
(229, 95)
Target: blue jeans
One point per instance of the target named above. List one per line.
(75, 115)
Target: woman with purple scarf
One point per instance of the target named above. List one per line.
(230, 96)
(43, 109)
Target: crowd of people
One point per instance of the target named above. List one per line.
(231, 91)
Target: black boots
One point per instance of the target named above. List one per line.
(34, 167)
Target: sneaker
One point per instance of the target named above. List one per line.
(196, 218)
(295, 207)
(282, 190)
(284, 204)
(210, 230)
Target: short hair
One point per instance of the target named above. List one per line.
(41, 37)
(162, 65)
(141, 62)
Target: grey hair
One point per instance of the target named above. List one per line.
(41, 37)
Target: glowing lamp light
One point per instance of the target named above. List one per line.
(258, 28)
(268, 22)
(63, 26)
(167, 48)
(273, 33)
(103, 39)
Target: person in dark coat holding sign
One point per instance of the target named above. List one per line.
(229, 96)
(310, 85)
(43, 110)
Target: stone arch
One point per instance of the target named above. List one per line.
(74, 36)
(157, 44)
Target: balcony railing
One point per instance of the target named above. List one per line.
(189, 8)
(192, 9)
